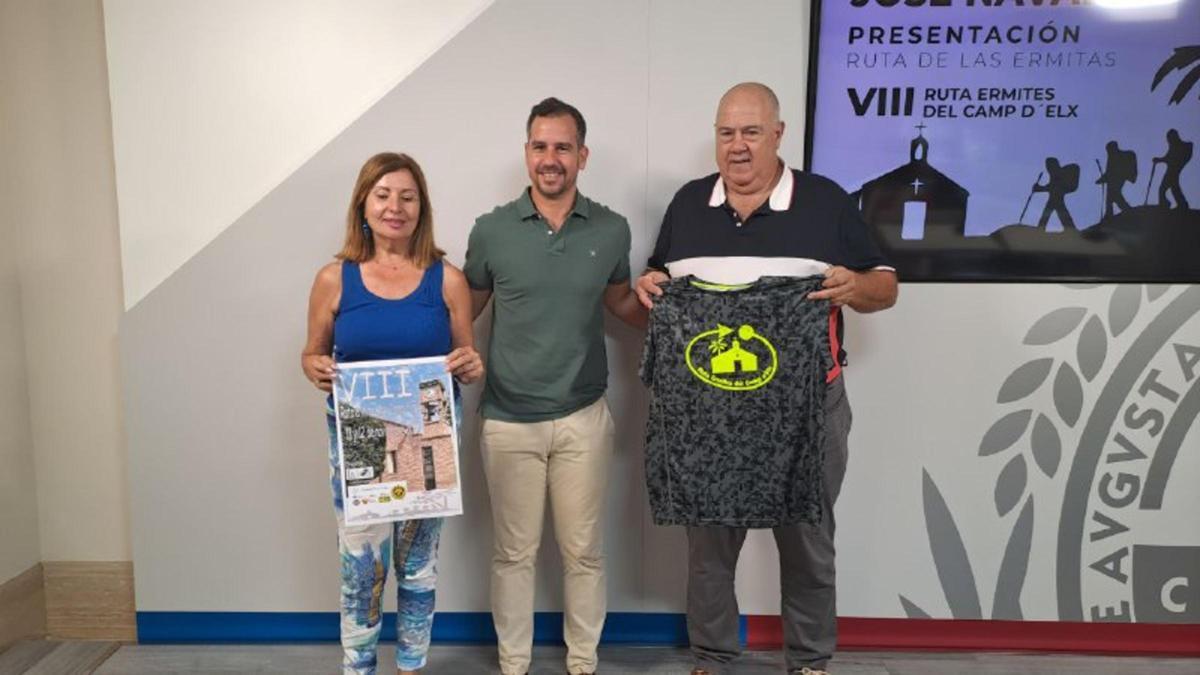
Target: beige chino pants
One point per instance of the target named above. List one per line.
(567, 458)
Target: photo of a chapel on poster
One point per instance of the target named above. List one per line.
(397, 440)
(1014, 140)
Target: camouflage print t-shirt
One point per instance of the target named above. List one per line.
(737, 378)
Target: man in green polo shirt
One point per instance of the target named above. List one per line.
(552, 259)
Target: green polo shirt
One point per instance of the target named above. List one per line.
(546, 358)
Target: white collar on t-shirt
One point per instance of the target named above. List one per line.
(781, 196)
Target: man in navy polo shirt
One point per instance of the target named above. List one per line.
(758, 217)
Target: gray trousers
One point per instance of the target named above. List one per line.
(806, 571)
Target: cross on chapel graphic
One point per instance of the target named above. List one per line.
(913, 197)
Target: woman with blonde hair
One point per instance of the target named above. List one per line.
(389, 295)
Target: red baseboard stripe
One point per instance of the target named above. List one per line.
(945, 634)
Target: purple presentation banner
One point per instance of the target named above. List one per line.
(1014, 140)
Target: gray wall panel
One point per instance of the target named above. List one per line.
(227, 445)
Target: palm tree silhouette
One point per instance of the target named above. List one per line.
(717, 345)
(1185, 59)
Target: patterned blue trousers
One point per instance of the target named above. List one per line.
(367, 551)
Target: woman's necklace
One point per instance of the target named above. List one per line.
(395, 267)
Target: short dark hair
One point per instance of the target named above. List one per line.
(553, 107)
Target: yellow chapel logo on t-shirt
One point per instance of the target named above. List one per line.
(739, 360)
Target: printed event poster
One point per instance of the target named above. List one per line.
(397, 440)
(1015, 139)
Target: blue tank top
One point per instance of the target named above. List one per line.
(368, 327)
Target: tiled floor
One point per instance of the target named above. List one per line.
(469, 659)
(51, 657)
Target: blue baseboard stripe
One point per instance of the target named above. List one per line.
(461, 627)
(670, 629)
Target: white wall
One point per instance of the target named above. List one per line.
(60, 274)
(18, 490)
(468, 102)
(227, 442)
(61, 208)
(214, 103)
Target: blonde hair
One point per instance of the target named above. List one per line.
(359, 246)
